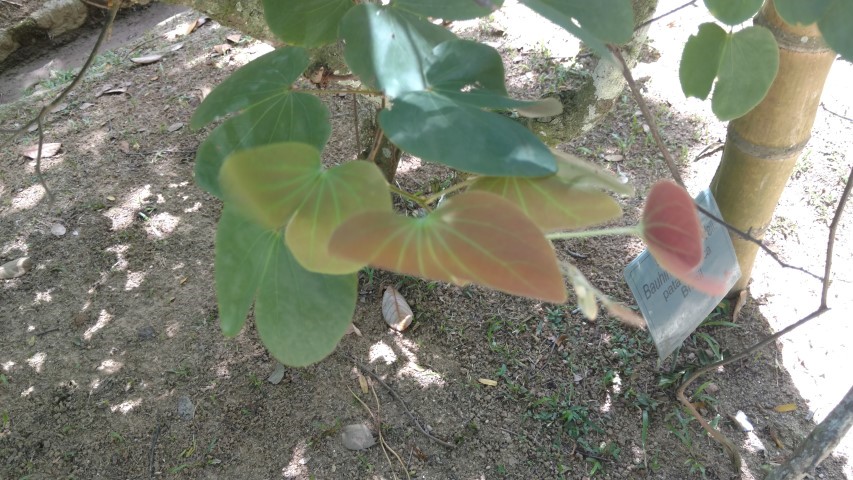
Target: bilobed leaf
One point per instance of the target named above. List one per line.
(388, 48)
(673, 235)
(259, 81)
(835, 26)
(551, 202)
(300, 315)
(438, 129)
(582, 173)
(461, 64)
(396, 310)
(804, 12)
(270, 182)
(306, 22)
(473, 237)
(700, 60)
(596, 23)
(241, 253)
(449, 9)
(733, 12)
(288, 117)
(337, 194)
(748, 67)
(286, 184)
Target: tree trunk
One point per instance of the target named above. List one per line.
(585, 107)
(819, 444)
(762, 147)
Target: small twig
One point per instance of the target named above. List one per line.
(10, 2)
(400, 400)
(655, 19)
(39, 119)
(638, 96)
(378, 422)
(830, 242)
(836, 114)
(382, 437)
(749, 238)
(710, 150)
(49, 330)
(355, 123)
(152, 466)
(420, 201)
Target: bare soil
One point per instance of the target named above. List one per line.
(112, 364)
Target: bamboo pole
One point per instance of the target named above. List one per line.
(762, 147)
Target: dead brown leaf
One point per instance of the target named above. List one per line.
(362, 382)
(741, 301)
(124, 146)
(175, 127)
(353, 329)
(147, 59)
(395, 310)
(47, 150)
(194, 25)
(234, 38)
(222, 49)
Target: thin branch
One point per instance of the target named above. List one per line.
(10, 2)
(635, 90)
(399, 399)
(39, 119)
(830, 242)
(836, 114)
(655, 19)
(463, 184)
(408, 196)
(355, 122)
(749, 238)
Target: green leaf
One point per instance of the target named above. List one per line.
(270, 182)
(286, 117)
(449, 9)
(748, 66)
(311, 23)
(338, 194)
(552, 203)
(438, 129)
(837, 27)
(804, 12)
(241, 255)
(578, 172)
(389, 49)
(257, 82)
(733, 12)
(596, 23)
(473, 237)
(700, 60)
(463, 64)
(300, 315)
(286, 183)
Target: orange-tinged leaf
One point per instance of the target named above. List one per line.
(336, 195)
(785, 407)
(395, 310)
(551, 202)
(473, 237)
(269, 183)
(673, 235)
(671, 228)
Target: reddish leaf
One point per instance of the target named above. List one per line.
(671, 228)
(673, 234)
(474, 237)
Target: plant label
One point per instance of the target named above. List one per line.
(671, 309)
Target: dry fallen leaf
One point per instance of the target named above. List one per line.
(15, 268)
(47, 150)
(86, 105)
(362, 382)
(277, 374)
(147, 59)
(112, 91)
(396, 312)
(222, 49)
(234, 38)
(353, 329)
(488, 382)
(58, 229)
(176, 47)
(193, 26)
(175, 127)
(785, 407)
(59, 108)
(614, 158)
(124, 146)
(741, 301)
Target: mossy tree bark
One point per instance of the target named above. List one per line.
(762, 147)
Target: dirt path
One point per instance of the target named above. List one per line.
(112, 364)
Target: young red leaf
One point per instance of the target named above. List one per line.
(474, 237)
(673, 234)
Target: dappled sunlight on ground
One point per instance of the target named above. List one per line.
(298, 466)
(27, 198)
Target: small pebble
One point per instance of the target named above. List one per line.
(357, 437)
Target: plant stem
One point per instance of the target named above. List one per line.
(632, 230)
(463, 184)
(343, 91)
(419, 200)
